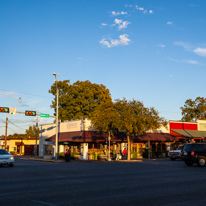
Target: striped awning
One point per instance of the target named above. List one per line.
(190, 133)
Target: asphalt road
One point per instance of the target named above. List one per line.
(154, 182)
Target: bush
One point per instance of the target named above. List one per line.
(12, 153)
(61, 155)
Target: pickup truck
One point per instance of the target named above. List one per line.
(174, 154)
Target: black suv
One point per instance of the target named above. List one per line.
(194, 153)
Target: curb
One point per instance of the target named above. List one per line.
(42, 160)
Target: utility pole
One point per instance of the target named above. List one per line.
(36, 136)
(57, 121)
(5, 144)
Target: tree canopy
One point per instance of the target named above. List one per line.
(131, 117)
(79, 99)
(193, 110)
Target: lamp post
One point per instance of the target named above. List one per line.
(57, 121)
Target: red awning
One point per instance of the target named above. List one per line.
(93, 136)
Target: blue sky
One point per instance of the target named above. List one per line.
(152, 51)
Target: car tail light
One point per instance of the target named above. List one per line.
(192, 153)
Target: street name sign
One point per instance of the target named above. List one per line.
(44, 115)
(12, 111)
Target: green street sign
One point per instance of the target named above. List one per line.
(44, 115)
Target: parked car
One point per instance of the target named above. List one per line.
(194, 153)
(174, 154)
(6, 158)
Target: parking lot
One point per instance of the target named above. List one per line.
(150, 182)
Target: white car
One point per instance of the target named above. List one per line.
(174, 154)
(6, 158)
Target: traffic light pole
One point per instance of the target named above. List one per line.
(5, 144)
(36, 136)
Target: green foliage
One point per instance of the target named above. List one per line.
(135, 154)
(31, 132)
(194, 110)
(105, 118)
(12, 152)
(61, 155)
(72, 154)
(79, 99)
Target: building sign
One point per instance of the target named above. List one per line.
(72, 125)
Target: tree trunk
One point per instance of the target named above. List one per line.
(128, 143)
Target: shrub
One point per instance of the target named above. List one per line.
(61, 155)
(12, 153)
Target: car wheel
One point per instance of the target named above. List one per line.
(11, 165)
(172, 158)
(189, 163)
(201, 161)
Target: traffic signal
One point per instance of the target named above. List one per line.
(30, 113)
(4, 109)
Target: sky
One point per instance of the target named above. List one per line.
(151, 51)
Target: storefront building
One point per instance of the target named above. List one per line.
(20, 146)
(81, 138)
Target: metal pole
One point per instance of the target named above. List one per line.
(36, 136)
(57, 122)
(5, 144)
(109, 159)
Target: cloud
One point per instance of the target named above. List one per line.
(123, 41)
(121, 24)
(151, 12)
(118, 13)
(126, 5)
(11, 95)
(139, 8)
(162, 46)
(200, 51)
(103, 24)
(169, 22)
(185, 45)
(187, 61)
(171, 75)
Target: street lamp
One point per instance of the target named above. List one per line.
(57, 121)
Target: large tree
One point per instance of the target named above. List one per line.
(193, 110)
(131, 117)
(136, 119)
(79, 99)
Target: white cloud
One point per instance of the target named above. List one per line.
(123, 41)
(151, 12)
(162, 46)
(169, 22)
(200, 51)
(126, 5)
(103, 24)
(118, 13)
(185, 45)
(145, 11)
(187, 61)
(123, 12)
(171, 75)
(121, 24)
(115, 13)
(11, 95)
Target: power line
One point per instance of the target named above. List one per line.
(16, 125)
(26, 93)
